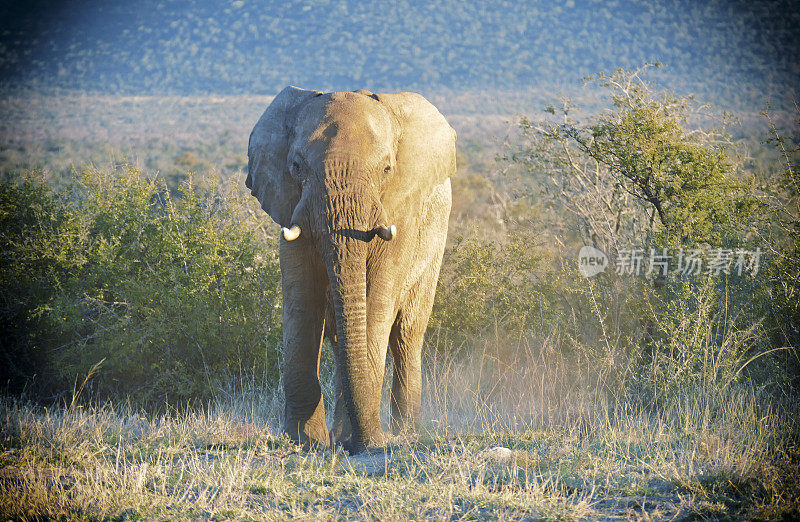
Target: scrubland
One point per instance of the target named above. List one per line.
(141, 327)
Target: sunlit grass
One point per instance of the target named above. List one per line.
(573, 455)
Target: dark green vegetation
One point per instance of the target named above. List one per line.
(164, 291)
(731, 51)
(621, 395)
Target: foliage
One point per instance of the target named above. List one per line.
(645, 345)
(645, 173)
(636, 174)
(701, 342)
(781, 201)
(484, 285)
(172, 291)
(516, 287)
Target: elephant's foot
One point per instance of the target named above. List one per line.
(376, 438)
(311, 435)
(405, 414)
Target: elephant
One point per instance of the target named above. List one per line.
(360, 184)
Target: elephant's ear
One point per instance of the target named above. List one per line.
(267, 172)
(426, 146)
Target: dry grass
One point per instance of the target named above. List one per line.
(574, 454)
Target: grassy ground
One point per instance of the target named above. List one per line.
(568, 454)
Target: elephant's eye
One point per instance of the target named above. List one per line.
(387, 169)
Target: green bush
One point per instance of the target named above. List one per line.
(171, 291)
(637, 174)
(703, 340)
(485, 285)
(781, 188)
(510, 288)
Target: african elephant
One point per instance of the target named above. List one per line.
(360, 184)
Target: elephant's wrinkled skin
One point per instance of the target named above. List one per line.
(360, 183)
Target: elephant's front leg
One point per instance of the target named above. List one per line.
(304, 282)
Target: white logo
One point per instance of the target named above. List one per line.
(591, 261)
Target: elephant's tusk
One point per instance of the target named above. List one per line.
(387, 233)
(290, 234)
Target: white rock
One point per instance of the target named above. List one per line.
(375, 462)
(499, 454)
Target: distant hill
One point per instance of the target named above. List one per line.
(731, 50)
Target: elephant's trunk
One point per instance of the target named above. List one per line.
(359, 385)
(349, 214)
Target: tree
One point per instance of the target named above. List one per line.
(636, 173)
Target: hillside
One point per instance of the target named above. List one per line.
(736, 52)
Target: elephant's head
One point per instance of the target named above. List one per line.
(348, 171)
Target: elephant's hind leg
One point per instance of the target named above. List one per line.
(405, 342)
(408, 331)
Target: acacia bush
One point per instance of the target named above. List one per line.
(703, 341)
(646, 173)
(642, 172)
(168, 291)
